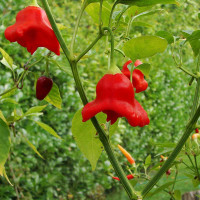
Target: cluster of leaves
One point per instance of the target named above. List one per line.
(63, 162)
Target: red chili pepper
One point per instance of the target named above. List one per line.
(129, 177)
(32, 30)
(127, 155)
(197, 130)
(43, 87)
(139, 83)
(115, 97)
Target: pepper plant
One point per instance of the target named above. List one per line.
(36, 26)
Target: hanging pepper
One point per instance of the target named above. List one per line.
(32, 29)
(129, 177)
(127, 155)
(43, 87)
(115, 97)
(139, 83)
(197, 130)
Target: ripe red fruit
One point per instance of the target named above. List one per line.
(32, 29)
(43, 87)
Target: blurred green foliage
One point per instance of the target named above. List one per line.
(65, 173)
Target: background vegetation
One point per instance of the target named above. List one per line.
(66, 173)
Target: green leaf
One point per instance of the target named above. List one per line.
(93, 11)
(139, 23)
(168, 36)
(54, 97)
(86, 138)
(12, 92)
(147, 13)
(35, 109)
(135, 10)
(48, 129)
(199, 15)
(147, 161)
(157, 190)
(4, 144)
(62, 67)
(193, 37)
(9, 100)
(7, 60)
(144, 47)
(33, 147)
(145, 69)
(2, 117)
(5, 175)
(142, 3)
(177, 195)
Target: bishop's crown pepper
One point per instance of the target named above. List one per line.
(115, 97)
(139, 83)
(32, 29)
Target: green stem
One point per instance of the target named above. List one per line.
(102, 135)
(187, 72)
(84, 5)
(196, 98)
(188, 166)
(112, 45)
(21, 77)
(100, 15)
(195, 159)
(89, 47)
(34, 3)
(118, 50)
(56, 30)
(111, 13)
(189, 128)
(190, 160)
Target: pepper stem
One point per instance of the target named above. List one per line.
(34, 3)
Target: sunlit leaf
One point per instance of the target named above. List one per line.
(85, 136)
(4, 144)
(35, 109)
(144, 46)
(48, 129)
(145, 69)
(142, 3)
(54, 97)
(168, 36)
(33, 147)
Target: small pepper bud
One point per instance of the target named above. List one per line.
(197, 130)
(129, 177)
(127, 155)
(195, 136)
(43, 87)
(168, 172)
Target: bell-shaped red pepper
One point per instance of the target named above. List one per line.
(32, 29)
(115, 97)
(139, 83)
(43, 87)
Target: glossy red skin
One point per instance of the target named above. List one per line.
(115, 97)
(43, 87)
(32, 29)
(139, 83)
(130, 176)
